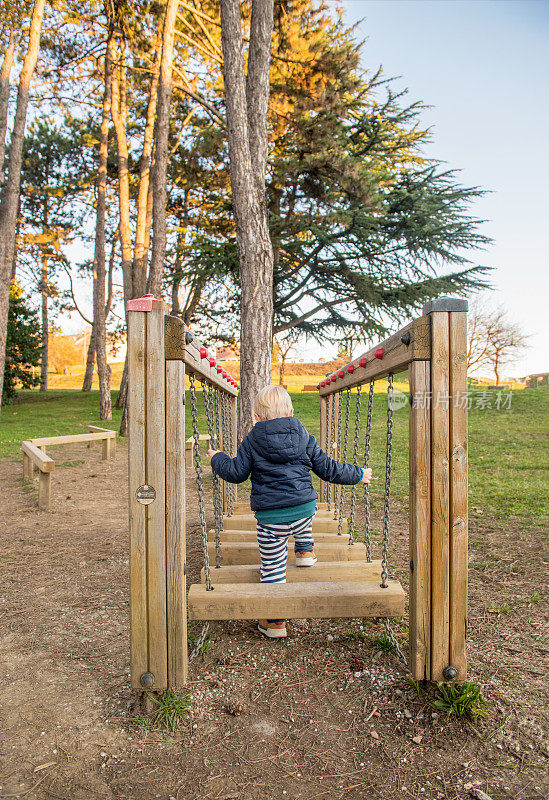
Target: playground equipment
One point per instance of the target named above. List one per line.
(345, 582)
(34, 455)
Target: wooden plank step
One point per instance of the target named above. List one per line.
(296, 601)
(247, 522)
(251, 536)
(322, 571)
(248, 552)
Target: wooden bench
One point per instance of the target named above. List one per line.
(34, 455)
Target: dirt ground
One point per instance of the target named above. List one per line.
(316, 715)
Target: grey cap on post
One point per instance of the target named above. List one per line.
(445, 304)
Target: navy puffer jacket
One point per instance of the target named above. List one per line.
(279, 455)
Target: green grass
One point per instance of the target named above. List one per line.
(171, 708)
(508, 453)
(460, 700)
(52, 413)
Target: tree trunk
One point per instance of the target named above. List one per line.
(45, 328)
(144, 195)
(90, 362)
(99, 266)
(144, 216)
(5, 71)
(160, 170)
(10, 195)
(281, 370)
(119, 113)
(246, 102)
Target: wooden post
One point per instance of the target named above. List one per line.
(175, 524)
(440, 496)
(155, 442)
(448, 488)
(44, 490)
(27, 467)
(458, 492)
(139, 634)
(106, 449)
(420, 520)
(147, 464)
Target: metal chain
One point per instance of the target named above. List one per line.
(367, 441)
(231, 495)
(344, 458)
(326, 445)
(216, 485)
(332, 440)
(227, 435)
(394, 641)
(355, 461)
(388, 468)
(338, 453)
(199, 642)
(200, 484)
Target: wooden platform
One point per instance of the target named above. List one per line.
(322, 571)
(247, 522)
(251, 536)
(295, 601)
(248, 552)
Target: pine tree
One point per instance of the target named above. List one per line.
(23, 345)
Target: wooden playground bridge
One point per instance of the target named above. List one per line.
(345, 582)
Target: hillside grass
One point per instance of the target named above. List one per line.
(508, 447)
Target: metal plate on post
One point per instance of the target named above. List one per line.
(145, 494)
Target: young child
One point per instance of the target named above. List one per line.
(279, 454)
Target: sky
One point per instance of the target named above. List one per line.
(482, 67)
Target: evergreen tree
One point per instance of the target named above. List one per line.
(22, 345)
(365, 227)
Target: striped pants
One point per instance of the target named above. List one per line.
(273, 546)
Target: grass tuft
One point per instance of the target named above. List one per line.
(172, 708)
(191, 641)
(383, 644)
(460, 700)
(503, 608)
(352, 635)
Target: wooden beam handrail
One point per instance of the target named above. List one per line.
(73, 438)
(96, 429)
(412, 343)
(177, 348)
(40, 459)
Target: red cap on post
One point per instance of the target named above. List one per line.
(341, 373)
(219, 369)
(203, 352)
(350, 369)
(362, 362)
(333, 378)
(379, 352)
(144, 303)
(212, 362)
(223, 373)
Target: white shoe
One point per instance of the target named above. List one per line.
(305, 559)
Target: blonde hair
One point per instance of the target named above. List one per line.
(273, 402)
